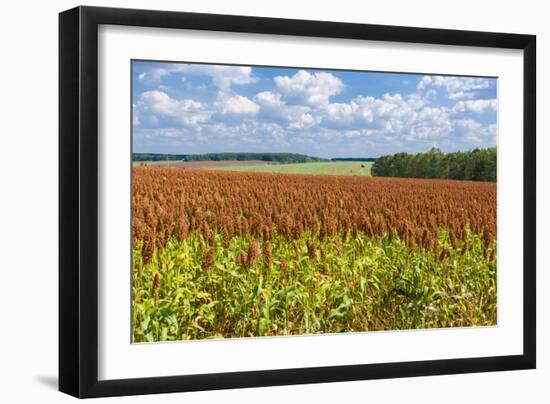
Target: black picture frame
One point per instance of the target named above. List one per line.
(78, 201)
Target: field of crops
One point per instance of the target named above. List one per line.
(325, 167)
(236, 254)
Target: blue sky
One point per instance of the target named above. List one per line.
(186, 108)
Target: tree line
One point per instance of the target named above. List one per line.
(473, 165)
(358, 159)
(283, 158)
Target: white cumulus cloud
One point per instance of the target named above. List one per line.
(162, 103)
(239, 105)
(269, 99)
(456, 88)
(156, 104)
(309, 88)
(223, 77)
(476, 106)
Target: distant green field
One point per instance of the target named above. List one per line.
(154, 163)
(329, 167)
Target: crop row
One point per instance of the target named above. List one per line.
(173, 203)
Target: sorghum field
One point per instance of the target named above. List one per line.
(235, 254)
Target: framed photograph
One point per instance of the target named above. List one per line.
(251, 201)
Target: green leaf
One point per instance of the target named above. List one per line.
(167, 314)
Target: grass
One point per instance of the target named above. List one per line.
(190, 290)
(329, 167)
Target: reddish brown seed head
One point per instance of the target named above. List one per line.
(268, 256)
(284, 266)
(208, 259)
(253, 252)
(312, 250)
(242, 260)
(148, 248)
(156, 281)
